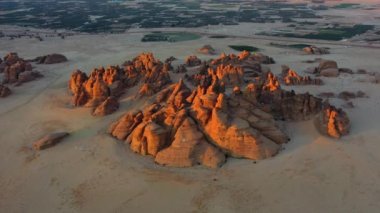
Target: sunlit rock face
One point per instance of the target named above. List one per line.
(184, 128)
(291, 77)
(224, 115)
(333, 122)
(96, 89)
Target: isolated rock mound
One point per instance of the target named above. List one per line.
(96, 89)
(327, 68)
(207, 50)
(51, 59)
(184, 128)
(16, 70)
(49, 140)
(290, 77)
(316, 50)
(4, 91)
(332, 122)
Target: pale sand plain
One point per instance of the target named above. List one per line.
(92, 172)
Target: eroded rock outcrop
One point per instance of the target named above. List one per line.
(332, 122)
(184, 128)
(54, 58)
(16, 70)
(96, 89)
(327, 68)
(291, 77)
(49, 140)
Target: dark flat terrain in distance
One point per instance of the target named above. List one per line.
(117, 16)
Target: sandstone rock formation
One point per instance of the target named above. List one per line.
(332, 121)
(4, 91)
(184, 128)
(109, 106)
(17, 70)
(51, 59)
(327, 68)
(315, 50)
(231, 69)
(207, 50)
(94, 90)
(192, 61)
(49, 140)
(290, 77)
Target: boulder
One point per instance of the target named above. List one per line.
(51, 59)
(4, 91)
(49, 140)
(327, 64)
(332, 122)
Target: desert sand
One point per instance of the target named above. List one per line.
(91, 172)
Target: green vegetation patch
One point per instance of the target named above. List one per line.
(218, 36)
(334, 34)
(293, 46)
(244, 47)
(345, 6)
(170, 37)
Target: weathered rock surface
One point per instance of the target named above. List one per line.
(327, 68)
(49, 140)
(4, 91)
(17, 70)
(290, 77)
(185, 128)
(94, 90)
(109, 106)
(182, 127)
(54, 58)
(332, 122)
(316, 50)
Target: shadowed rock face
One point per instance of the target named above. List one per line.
(327, 68)
(332, 122)
(184, 128)
(4, 91)
(17, 70)
(290, 77)
(192, 61)
(96, 89)
(51, 59)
